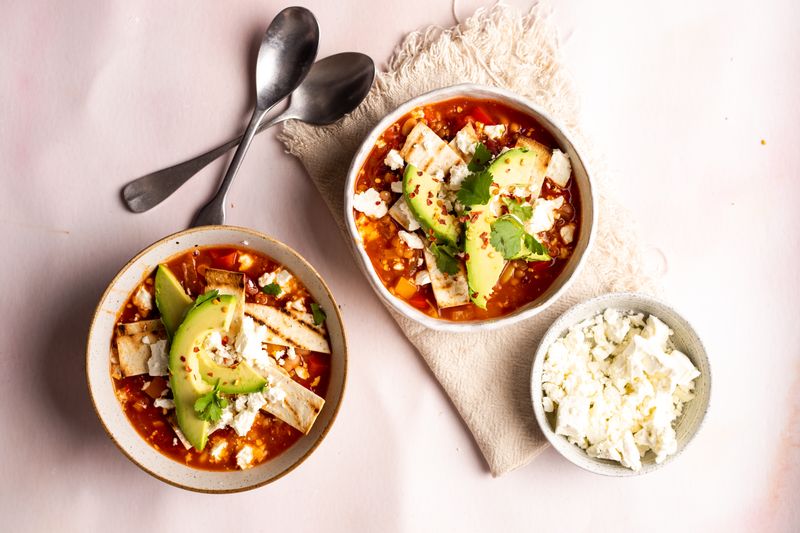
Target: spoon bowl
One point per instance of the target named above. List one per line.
(286, 54)
(335, 86)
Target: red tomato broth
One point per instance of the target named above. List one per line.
(269, 436)
(380, 237)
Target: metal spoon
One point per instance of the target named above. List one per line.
(286, 54)
(334, 87)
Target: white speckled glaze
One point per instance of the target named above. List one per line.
(685, 339)
(580, 173)
(102, 391)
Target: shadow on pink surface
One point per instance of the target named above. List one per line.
(62, 355)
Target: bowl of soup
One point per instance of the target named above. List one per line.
(216, 359)
(469, 208)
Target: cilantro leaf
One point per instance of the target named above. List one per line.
(273, 289)
(206, 296)
(536, 248)
(509, 236)
(319, 314)
(209, 406)
(475, 189)
(446, 260)
(480, 159)
(522, 212)
(506, 237)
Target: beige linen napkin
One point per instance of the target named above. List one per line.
(485, 374)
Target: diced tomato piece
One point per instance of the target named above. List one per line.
(481, 115)
(419, 301)
(227, 261)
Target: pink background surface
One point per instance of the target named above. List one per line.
(678, 96)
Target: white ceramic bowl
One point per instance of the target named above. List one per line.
(685, 339)
(102, 390)
(580, 172)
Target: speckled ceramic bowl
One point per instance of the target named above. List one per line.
(580, 173)
(685, 339)
(102, 390)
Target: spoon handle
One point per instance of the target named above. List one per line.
(213, 213)
(146, 192)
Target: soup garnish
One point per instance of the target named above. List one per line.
(221, 358)
(467, 209)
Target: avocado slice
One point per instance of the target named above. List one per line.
(516, 167)
(171, 300)
(421, 194)
(184, 368)
(240, 379)
(484, 263)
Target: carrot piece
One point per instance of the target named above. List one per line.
(405, 289)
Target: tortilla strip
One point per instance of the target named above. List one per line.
(289, 327)
(542, 154)
(227, 282)
(142, 326)
(427, 151)
(402, 214)
(449, 290)
(469, 132)
(132, 352)
(299, 408)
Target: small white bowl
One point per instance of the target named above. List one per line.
(580, 172)
(685, 339)
(101, 388)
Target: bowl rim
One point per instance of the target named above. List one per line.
(606, 467)
(180, 234)
(364, 263)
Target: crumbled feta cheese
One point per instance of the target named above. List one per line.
(291, 353)
(275, 394)
(544, 215)
(465, 142)
(495, 132)
(143, 300)
(283, 277)
(394, 160)
(568, 233)
(423, 277)
(559, 169)
(397, 186)
(245, 261)
(266, 278)
(246, 407)
(412, 240)
(301, 372)
(146, 339)
(225, 418)
(297, 305)
(244, 457)
(164, 403)
(617, 386)
(158, 363)
(458, 173)
(439, 175)
(250, 343)
(223, 354)
(216, 451)
(369, 202)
